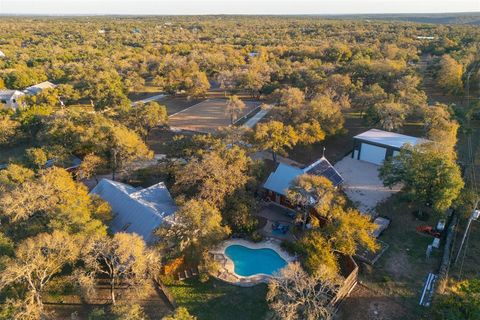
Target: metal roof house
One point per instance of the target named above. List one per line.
(139, 211)
(9, 98)
(280, 180)
(39, 87)
(375, 145)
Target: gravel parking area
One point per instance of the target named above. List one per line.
(362, 184)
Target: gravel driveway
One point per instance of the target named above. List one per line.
(362, 184)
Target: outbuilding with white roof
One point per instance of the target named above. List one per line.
(39, 87)
(375, 146)
(9, 98)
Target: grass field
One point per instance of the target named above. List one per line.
(206, 116)
(218, 300)
(64, 299)
(392, 287)
(146, 92)
(13, 153)
(467, 265)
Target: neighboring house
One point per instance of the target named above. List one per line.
(280, 180)
(375, 146)
(139, 211)
(425, 38)
(10, 98)
(36, 89)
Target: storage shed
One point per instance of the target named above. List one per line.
(375, 146)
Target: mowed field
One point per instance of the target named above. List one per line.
(207, 116)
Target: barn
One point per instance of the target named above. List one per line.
(375, 146)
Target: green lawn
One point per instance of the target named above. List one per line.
(218, 300)
(401, 272)
(13, 153)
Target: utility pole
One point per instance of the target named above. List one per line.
(476, 213)
(474, 216)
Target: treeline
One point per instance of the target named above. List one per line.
(312, 70)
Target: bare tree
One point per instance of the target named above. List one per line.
(37, 260)
(235, 106)
(124, 259)
(295, 295)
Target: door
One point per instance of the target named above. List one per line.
(372, 154)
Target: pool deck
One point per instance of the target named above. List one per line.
(227, 273)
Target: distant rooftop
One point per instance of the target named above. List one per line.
(387, 138)
(37, 88)
(7, 94)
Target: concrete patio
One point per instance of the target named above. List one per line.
(362, 184)
(274, 213)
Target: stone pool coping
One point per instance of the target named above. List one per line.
(227, 272)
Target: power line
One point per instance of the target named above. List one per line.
(476, 213)
(465, 252)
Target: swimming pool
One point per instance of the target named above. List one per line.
(248, 262)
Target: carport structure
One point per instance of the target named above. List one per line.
(375, 146)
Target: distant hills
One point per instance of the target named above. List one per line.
(438, 18)
(470, 18)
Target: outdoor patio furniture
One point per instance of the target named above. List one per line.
(280, 228)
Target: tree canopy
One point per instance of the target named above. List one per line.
(428, 177)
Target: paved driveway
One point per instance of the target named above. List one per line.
(362, 184)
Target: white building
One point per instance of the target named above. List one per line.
(35, 89)
(135, 210)
(10, 98)
(2, 55)
(375, 145)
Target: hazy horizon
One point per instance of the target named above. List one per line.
(233, 7)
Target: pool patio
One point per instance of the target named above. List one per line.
(227, 273)
(275, 214)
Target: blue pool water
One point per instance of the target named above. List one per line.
(248, 262)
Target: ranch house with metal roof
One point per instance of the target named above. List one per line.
(135, 210)
(284, 175)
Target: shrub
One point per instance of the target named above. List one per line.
(128, 312)
(256, 236)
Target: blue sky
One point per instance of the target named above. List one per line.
(234, 6)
